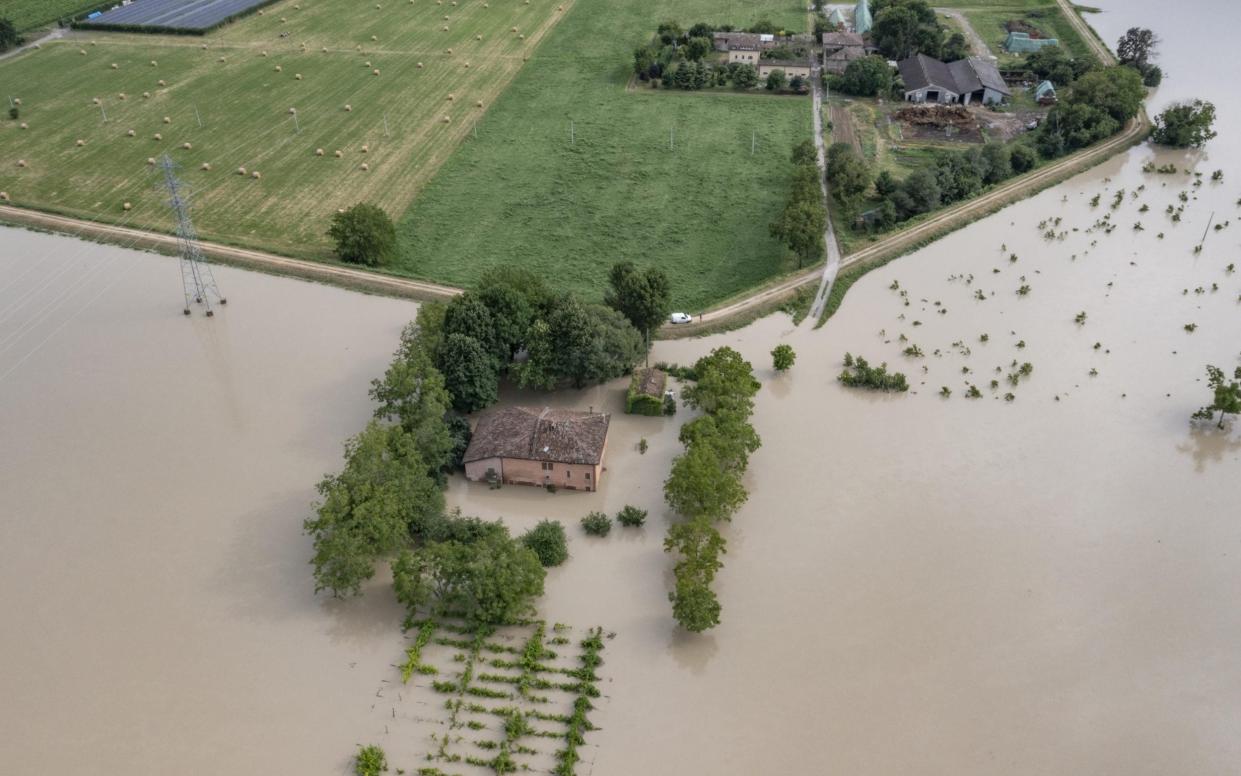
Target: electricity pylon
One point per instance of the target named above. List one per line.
(196, 277)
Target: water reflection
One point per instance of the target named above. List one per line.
(1206, 444)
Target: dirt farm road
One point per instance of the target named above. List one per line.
(978, 45)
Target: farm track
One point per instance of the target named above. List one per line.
(226, 254)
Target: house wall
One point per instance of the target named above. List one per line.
(991, 96)
(789, 70)
(519, 471)
(477, 470)
(919, 95)
(744, 57)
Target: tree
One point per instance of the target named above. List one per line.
(364, 234)
(641, 295)
(1118, 91)
(700, 485)
(694, 604)
(907, 27)
(1137, 48)
(511, 316)
(885, 183)
(547, 540)
(869, 76)
(997, 157)
(580, 343)
(922, 191)
(1053, 64)
(370, 761)
(744, 77)
(848, 175)
(9, 37)
(727, 433)
(1185, 124)
(491, 581)
(412, 393)
(469, 373)
(800, 227)
(370, 508)
(1152, 76)
(782, 357)
(805, 154)
(797, 84)
(469, 316)
(725, 382)
(1226, 398)
(776, 81)
(697, 48)
(1022, 157)
(955, 48)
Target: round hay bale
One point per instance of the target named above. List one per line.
(206, 165)
(297, 7)
(162, 82)
(17, 100)
(444, 28)
(348, 108)
(80, 142)
(514, 29)
(339, 153)
(256, 175)
(4, 196)
(221, 59)
(130, 133)
(479, 103)
(420, 65)
(263, 54)
(146, 95)
(94, 100)
(522, 36)
(282, 21)
(467, 64)
(157, 136)
(93, 43)
(151, 161)
(478, 37)
(365, 166)
(374, 37)
(449, 51)
(375, 71)
(359, 47)
(451, 97)
(292, 110)
(82, 52)
(297, 76)
(126, 206)
(279, 68)
(325, 49)
(121, 96)
(154, 63)
(445, 17)
(167, 120)
(241, 170)
(318, 152)
(486, 5)
(378, 6)
(447, 119)
(21, 162)
(187, 146)
(365, 148)
(24, 125)
(368, 63)
(115, 66)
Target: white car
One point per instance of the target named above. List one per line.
(680, 318)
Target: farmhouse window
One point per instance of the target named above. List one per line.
(547, 466)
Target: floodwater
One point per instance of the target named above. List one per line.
(918, 584)
(156, 607)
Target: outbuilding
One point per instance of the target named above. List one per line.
(967, 80)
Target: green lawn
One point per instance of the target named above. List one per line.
(989, 21)
(522, 193)
(28, 14)
(244, 102)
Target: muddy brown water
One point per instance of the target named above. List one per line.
(917, 584)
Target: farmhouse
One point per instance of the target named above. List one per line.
(841, 48)
(531, 446)
(967, 80)
(791, 67)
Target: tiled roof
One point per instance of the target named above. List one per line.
(530, 433)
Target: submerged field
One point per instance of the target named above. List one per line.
(657, 177)
(242, 87)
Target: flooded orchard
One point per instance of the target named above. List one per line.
(917, 584)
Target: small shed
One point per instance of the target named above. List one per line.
(1045, 93)
(646, 392)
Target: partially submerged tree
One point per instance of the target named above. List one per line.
(1226, 395)
(364, 234)
(1185, 124)
(782, 357)
(1136, 48)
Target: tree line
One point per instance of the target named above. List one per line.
(802, 221)
(704, 486)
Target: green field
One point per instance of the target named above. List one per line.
(522, 193)
(28, 14)
(244, 104)
(988, 20)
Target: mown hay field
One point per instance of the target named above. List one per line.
(657, 177)
(403, 123)
(988, 21)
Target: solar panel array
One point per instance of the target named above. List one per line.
(190, 15)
